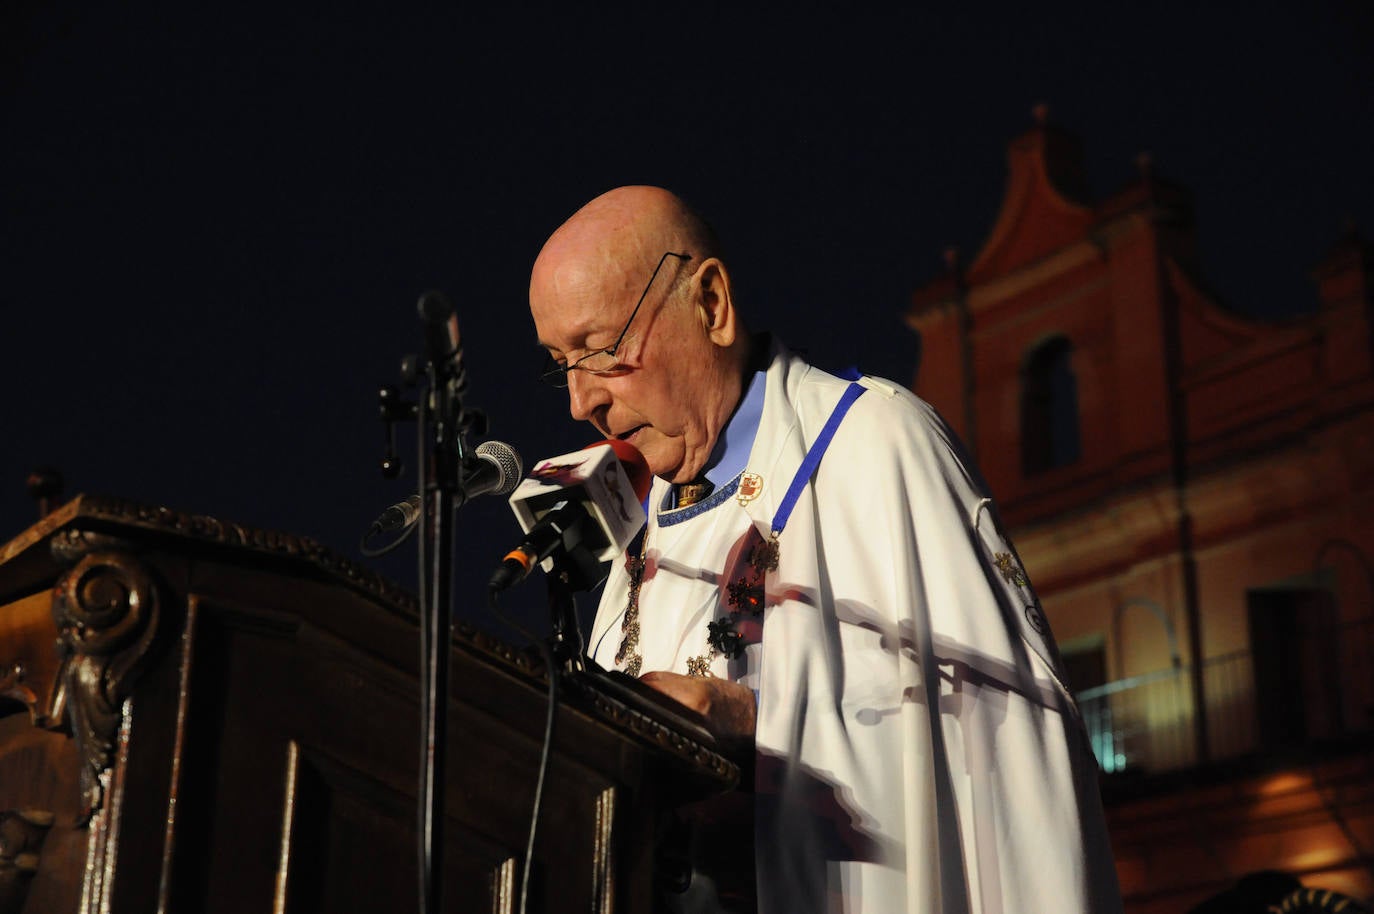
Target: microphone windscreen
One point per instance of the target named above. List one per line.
(508, 463)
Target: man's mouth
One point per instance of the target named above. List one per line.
(627, 435)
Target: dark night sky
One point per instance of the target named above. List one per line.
(217, 225)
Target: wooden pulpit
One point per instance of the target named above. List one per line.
(200, 717)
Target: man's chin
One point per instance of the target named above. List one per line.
(663, 454)
(666, 469)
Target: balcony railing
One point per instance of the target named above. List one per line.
(1145, 723)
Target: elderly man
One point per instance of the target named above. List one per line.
(823, 578)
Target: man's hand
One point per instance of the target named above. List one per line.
(728, 707)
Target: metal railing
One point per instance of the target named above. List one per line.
(1145, 723)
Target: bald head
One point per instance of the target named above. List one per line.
(623, 228)
(680, 366)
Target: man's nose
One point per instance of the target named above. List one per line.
(585, 393)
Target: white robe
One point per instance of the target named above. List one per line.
(917, 749)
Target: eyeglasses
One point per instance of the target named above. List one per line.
(603, 360)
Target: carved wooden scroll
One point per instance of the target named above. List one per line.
(106, 610)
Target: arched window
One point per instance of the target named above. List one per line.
(1049, 408)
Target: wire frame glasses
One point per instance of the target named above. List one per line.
(603, 360)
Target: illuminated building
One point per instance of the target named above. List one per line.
(1191, 492)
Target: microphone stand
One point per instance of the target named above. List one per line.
(443, 493)
(444, 465)
(436, 622)
(565, 639)
(578, 570)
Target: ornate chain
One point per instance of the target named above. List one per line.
(629, 626)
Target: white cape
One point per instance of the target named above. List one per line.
(917, 749)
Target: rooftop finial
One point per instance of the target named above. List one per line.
(1041, 112)
(1145, 164)
(45, 487)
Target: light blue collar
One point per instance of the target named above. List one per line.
(731, 453)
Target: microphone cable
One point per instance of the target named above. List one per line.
(493, 603)
(390, 547)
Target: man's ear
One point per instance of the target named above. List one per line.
(715, 305)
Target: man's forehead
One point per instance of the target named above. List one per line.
(575, 299)
(581, 278)
(581, 275)
(591, 271)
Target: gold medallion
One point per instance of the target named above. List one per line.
(750, 487)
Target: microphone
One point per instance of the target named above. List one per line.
(585, 504)
(442, 342)
(401, 514)
(493, 469)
